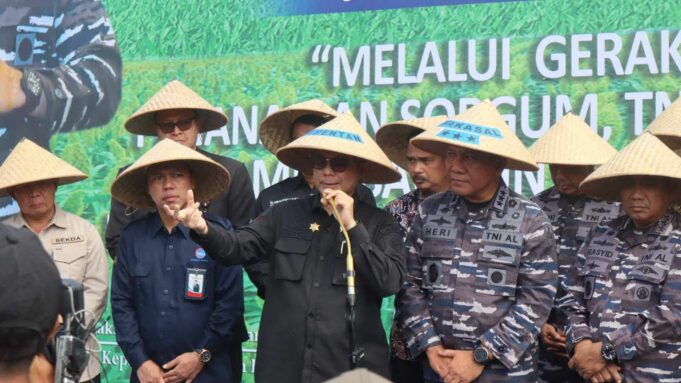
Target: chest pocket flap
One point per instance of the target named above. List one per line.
(70, 261)
(289, 258)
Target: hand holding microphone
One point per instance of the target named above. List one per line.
(344, 205)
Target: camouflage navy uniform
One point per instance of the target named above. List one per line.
(67, 51)
(403, 368)
(571, 218)
(626, 289)
(480, 277)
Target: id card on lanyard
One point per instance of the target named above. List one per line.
(194, 289)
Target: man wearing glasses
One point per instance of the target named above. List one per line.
(482, 259)
(178, 113)
(304, 336)
(277, 130)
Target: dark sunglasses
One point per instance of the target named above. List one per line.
(169, 127)
(338, 164)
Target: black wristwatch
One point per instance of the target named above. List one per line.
(204, 355)
(32, 87)
(481, 356)
(608, 352)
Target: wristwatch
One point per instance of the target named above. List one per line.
(608, 352)
(481, 355)
(204, 355)
(32, 88)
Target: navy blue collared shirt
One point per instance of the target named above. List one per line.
(156, 313)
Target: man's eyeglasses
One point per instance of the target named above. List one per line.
(338, 164)
(169, 127)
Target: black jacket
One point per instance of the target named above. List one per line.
(303, 332)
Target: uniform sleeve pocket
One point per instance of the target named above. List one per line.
(289, 258)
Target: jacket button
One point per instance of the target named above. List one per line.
(310, 315)
(308, 346)
(165, 292)
(315, 285)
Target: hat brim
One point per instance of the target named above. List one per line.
(275, 129)
(609, 188)
(394, 140)
(60, 181)
(371, 172)
(440, 148)
(130, 187)
(145, 124)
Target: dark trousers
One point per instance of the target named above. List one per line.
(236, 360)
(406, 371)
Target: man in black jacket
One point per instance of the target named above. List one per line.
(304, 336)
(277, 130)
(178, 113)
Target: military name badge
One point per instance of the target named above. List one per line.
(194, 289)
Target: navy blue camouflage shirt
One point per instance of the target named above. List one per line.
(480, 277)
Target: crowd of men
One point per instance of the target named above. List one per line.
(582, 282)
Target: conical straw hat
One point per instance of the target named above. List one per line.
(571, 142)
(342, 135)
(174, 95)
(130, 187)
(394, 137)
(667, 126)
(28, 162)
(645, 156)
(479, 128)
(275, 129)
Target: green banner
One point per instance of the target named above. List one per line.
(615, 63)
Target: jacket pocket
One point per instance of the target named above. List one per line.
(289, 258)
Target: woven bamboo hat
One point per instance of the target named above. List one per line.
(667, 126)
(28, 162)
(479, 128)
(174, 95)
(130, 187)
(571, 142)
(275, 129)
(394, 137)
(342, 135)
(645, 156)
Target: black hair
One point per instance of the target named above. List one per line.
(18, 346)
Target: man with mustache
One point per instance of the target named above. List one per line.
(571, 149)
(482, 261)
(174, 309)
(429, 174)
(304, 334)
(622, 301)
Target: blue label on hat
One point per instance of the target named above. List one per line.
(472, 128)
(336, 134)
(454, 135)
(200, 253)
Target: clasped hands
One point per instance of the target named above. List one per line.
(454, 366)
